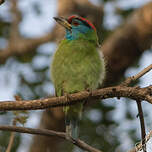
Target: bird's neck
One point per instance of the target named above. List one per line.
(90, 36)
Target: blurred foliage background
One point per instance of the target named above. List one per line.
(110, 125)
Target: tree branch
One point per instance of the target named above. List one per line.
(137, 76)
(135, 93)
(11, 140)
(46, 132)
(139, 106)
(16, 18)
(142, 125)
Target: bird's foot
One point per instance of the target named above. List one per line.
(89, 91)
(67, 96)
(88, 99)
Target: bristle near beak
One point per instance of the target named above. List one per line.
(62, 21)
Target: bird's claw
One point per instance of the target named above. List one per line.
(67, 96)
(89, 91)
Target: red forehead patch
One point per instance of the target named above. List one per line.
(83, 19)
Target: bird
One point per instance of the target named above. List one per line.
(77, 65)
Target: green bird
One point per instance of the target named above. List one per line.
(77, 65)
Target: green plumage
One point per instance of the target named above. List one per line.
(76, 66)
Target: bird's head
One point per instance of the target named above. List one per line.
(78, 28)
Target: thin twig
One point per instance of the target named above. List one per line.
(11, 140)
(143, 72)
(137, 76)
(46, 132)
(138, 147)
(142, 124)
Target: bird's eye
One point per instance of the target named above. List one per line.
(75, 23)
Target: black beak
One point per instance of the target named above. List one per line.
(62, 21)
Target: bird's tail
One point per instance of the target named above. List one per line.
(72, 117)
(72, 129)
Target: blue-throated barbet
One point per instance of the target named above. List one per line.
(77, 65)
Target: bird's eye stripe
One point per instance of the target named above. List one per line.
(88, 23)
(75, 23)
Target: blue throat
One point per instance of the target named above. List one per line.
(77, 32)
